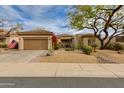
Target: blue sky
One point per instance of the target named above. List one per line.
(53, 18)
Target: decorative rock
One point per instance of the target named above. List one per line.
(103, 59)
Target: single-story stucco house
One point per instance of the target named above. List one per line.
(66, 40)
(32, 40)
(78, 40)
(86, 39)
(40, 39)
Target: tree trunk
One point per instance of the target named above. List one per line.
(101, 41)
(102, 45)
(105, 45)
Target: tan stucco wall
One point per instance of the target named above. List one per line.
(9, 39)
(77, 41)
(21, 43)
(50, 43)
(84, 41)
(98, 42)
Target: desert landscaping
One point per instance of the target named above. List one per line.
(62, 56)
(100, 41)
(113, 55)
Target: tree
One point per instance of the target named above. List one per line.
(106, 22)
(16, 28)
(3, 22)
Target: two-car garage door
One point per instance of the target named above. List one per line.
(35, 43)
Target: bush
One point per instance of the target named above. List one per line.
(87, 49)
(79, 46)
(116, 46)
(111, 46)
(94, 46)
(4, 45)
(56, 46)
(119, 46)
(69, 49)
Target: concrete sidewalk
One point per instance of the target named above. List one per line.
(61, 70)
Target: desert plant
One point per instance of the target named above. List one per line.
(56, 46)
(87, 49)
(116, 46)
(4, 45)
(78, 46)
(111, 46)
(94, 46)
(119, 46)
(69, 49)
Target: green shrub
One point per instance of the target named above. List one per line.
(79, 46)
(56, 46)
(87, 49)
(69, 49)
(111, 46)
(116, 46)
(94, 46)
(4, 45)
(119, 46)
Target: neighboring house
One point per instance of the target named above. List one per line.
(85, 39)
(78, 40)
(32, 40)
(66, 40)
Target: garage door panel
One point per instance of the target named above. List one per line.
(36, 44)
(35, 38)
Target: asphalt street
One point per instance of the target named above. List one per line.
(64, 82)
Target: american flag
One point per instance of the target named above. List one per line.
(12, 44)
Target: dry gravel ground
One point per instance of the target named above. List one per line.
(62, 56)
(119, 58)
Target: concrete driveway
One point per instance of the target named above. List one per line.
(20, 56)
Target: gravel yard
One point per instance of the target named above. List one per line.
(61, 56)
(112, 55)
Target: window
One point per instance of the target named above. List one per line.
(91, 41)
